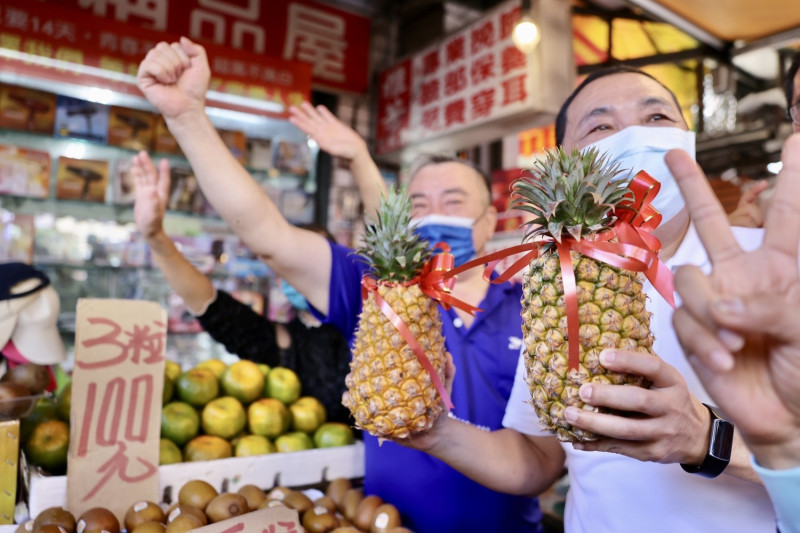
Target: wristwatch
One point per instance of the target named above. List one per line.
(719, 448)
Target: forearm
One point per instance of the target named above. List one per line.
(369, 181)
(227, 185)
(300, 256)
(189, 283)
(509, 461)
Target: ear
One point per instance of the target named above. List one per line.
(488, 223)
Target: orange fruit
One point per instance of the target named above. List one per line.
(294, 441)
(215, 365)
(169, 453)
(282, 383)
(223, 417)
(333, 434)
(172, 369)
(197, 386)
(48, 444)
(207, 448)
(308, 414)
(64, 402)
(179, 422)
(268, 417)
(243, 380)
(253, 445)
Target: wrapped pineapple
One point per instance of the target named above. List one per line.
(573, 197)
(390, 392)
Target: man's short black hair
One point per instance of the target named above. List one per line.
(788, 83)
(561, 118)
(436, 159)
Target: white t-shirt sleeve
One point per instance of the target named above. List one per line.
(520, 414)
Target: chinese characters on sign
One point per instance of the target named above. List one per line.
(116, 398)
(62, 33)
(333, 41)
(269, 520)
(473, 76)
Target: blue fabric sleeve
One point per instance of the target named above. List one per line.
(783, 487)
(344, 292)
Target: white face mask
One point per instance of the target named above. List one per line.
(643, 148)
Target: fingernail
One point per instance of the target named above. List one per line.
(729, 306)
(607, 356)
(585, 392)
(571, 414)
(721, 360)
(732, 340)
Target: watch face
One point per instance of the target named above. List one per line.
(721, 439)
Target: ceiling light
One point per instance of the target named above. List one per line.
(526, 34)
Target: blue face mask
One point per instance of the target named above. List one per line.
(297, 300)
(455, 231)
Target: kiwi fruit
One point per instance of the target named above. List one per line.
(278, 493)
(97, 519)
(365, 511)
(298, 501)
(34, 377)
(25, 527)
(55, 516)
(385, 518)
(253, 495)
(337, 488)
(50, 528)
(14, 401)
(271, 503)
(178, 509)
(183, 523)
(319, 520)
(350, 502)
(143, 511)
(226, 505)
(197, 493)
(400, 529)
(326, 502)
(150, 527)
(345, 529)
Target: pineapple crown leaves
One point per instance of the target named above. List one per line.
(392, 249)
(570, 193)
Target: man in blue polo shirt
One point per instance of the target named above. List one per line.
(452, 200)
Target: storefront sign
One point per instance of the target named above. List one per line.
(473, 77)
(334, 41)
(117, 386)
(63, 44)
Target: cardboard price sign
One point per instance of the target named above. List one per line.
(270, 520)
(117, 386)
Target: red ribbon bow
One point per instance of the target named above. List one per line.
(436, 281)
(635, 249)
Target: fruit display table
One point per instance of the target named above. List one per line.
(288, 469)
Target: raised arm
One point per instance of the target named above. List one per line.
(340, 140)
(152, 196)
(174, 78)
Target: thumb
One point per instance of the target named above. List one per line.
(163, 178)
(192, 49)
(759, 314)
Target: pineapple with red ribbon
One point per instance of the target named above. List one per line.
(577, 298)
(394, 388)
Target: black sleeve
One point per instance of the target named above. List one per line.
(242, 331)
(321, 358)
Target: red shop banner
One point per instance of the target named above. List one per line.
(334, 41)
(63, 44)
(473, 76)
